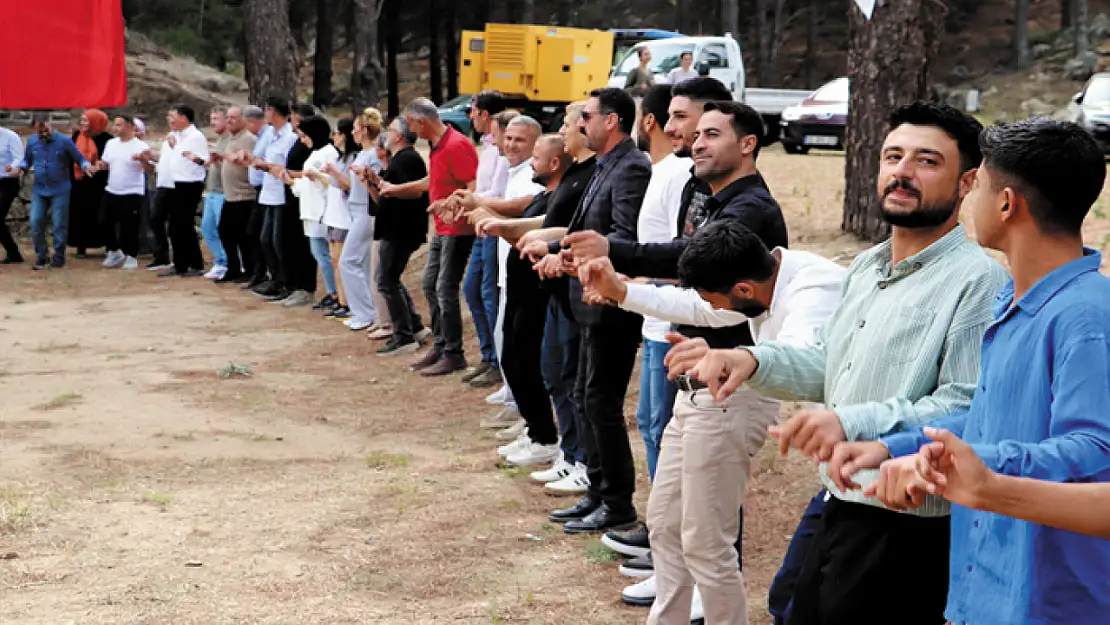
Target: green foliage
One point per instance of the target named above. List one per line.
(207, 30)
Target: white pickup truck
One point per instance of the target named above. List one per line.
(721, 57)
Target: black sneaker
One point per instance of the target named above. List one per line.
(339, 312)
(12, 260)
(252, 284)
(192, 273)
(641, 567)
(278, 296)
(633, 543)
(327, 303)
(267, 289)
(38, 265)
(395, 348)
(58, 262)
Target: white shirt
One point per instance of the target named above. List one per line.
(125, 176)
(164, 178)
(519, 185)
(276, 153)
(11, 150)
(807, 292)
(658, 221)
(678, 75)
(183, 169)
(337, 212)
(314, 195)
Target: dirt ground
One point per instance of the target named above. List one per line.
(330, 486)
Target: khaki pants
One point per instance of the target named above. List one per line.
(700, 483)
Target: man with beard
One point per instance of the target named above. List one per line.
(902, 348)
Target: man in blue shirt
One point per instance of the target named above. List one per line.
(1042, 409)
(11, 154)
(52, 155)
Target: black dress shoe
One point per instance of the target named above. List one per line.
(227, 278)
(642, 567)
(600, 520)
(12, 260)
(633, 543)
(583, 508)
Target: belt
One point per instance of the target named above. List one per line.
(686, 383)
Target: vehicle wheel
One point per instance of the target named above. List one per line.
(793, 148)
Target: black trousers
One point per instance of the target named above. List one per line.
(393, 257)
(120, 222)
(522, 362)
(9, 189)
(605, 363)
(258, 271)
(159, 218)
(184, 200)
(871, 566)
(234, 221)
(268, 241)
(298, 265)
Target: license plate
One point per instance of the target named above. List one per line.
(819, 140)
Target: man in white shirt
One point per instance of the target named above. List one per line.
(123, 157)
(160, 207)
(272, 196)
(11, 154)
(190, 153)
(728, 278)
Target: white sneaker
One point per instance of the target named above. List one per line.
(422, 335)
(559, 469)
(114, 259)
(575, 483)
(512, 432)
(357, 326)
(216, 272)
(520, 444)
(130, 263)
(535, 453)
(697, 610)
(641, 594)
(506, 417)
(499, 396)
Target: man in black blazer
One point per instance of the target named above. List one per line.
(610, 206)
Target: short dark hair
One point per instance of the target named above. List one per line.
(721, 254)
(656, 101)
(279, 104)
(702, 89)
(641, 50)
(1056, 165)
(184, 110)
(688, 53)
(955, 123)
(745, 120)
(127, 118)
(304, 109)
(490, 101)
(613, 100)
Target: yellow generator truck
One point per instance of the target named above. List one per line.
(539, 69)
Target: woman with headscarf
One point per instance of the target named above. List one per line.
(87, 192)
(311, 188)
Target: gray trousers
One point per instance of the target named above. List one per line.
(356, 268)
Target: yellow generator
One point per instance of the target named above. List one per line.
(548, 66)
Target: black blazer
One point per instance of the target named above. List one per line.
(610, 206)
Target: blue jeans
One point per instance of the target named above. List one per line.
(781, 593)
(657, 395)
(322, 254)
(480, 289)
(58, 205)
(561, 338)
(210, 227)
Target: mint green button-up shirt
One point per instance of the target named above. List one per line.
(902, 349)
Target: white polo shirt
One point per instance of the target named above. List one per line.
(185, 170)
(166, 157)
(658, 220)
(519, 185)
(125, 176)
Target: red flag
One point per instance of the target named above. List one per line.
(62, 54)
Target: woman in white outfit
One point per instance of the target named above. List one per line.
(337, 212)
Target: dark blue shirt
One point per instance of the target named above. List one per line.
(1042, 410)
(53, 163)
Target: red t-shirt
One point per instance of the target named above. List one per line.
(453, 165)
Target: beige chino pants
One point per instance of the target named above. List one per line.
(700, 483)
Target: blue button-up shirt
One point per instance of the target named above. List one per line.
(53, 162)
(255, 176)
(11, 151)
(273, 189)
(1042, 410)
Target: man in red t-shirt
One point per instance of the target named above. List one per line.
(453, 165)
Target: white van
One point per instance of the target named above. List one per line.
(720, 54)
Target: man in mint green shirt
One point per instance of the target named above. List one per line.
(903, 348)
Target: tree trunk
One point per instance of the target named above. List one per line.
(730, 18)
(392, 46)
(680, 16)
(435, 69)
(270, 52)
(1080, 23)
(889, 58)
(325, 50)
(366, 75)
(1065, 13)
(451, 54)
(764, 38)
(811, 45)
(1022, 57)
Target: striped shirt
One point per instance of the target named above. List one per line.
(902, 349)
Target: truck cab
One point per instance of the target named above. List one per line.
(719, 55)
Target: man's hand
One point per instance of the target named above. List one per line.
(586, 245)
(548, 267)
(492, 227)
(534, 251)
(724, 370)
(684, 353)
(91, 170)
(276, 170)
(599, 277)
(851, 458)
(952, 470)
(215, 158)
(899, 486)
(465, 200)
(260, 164)
(813, 432)
(477, 215)
(101, 166)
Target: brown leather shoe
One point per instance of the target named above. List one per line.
(445, 366)
(429, 358)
